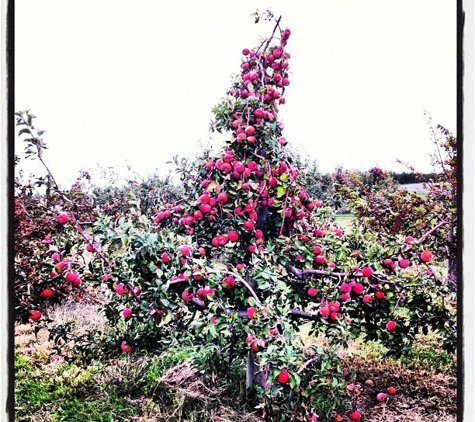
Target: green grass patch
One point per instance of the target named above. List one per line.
(109, 408)
(345, 217)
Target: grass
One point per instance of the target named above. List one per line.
(167, 388)
(345, 217)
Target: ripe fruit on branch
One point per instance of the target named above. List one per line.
(223, 197)
(47, 293)
(249, 225)
(233, 236)
(35, 315)
(391, 390)
(381, 397)
(90, 248)
(283, 377)
(56, 257)
(187, 295)
(71, 276)
(62, 218)
(205, 208)
(312, 292)
(121, 289)
(126, 347)
(358, 288)
(426, 256)
(127, 313)
(229, 282)
(319, 259)
(404, 263)
(251, 312)
(185, 250)
(77, 282)
(250, 130)
(367, 299)
(367, 272)
(345, 288)
(391, 325)
(255, 345)
(355, 415)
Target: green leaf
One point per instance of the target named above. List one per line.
(281, 191)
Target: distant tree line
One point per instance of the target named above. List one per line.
(405, 177)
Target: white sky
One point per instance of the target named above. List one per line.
(114, 81)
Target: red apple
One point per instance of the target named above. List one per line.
(205, 208)
(56, 257)
(367, 299)
(403, 263)
(47, 293)
(426, 256)
(317, 250)
(381, 397)
(344, 297)
(127, 313)
(185, 250)
(283, 377)
(391, 390)
(62, 218)
(187, 296)
(35, 315)
(391, 325)
(250, 130)
(126, 347)
(229, 282)
(233, 236)
(345, 288)
(255, 345)
(367, 272)
(249, 225)
(223, 197)
(251, 312)
(355, 415)
(358, 288)
(121, 289)
(312, 292)
(71, 276)
(77, 282)
(319, 259)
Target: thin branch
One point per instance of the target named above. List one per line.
(425, 235)
(302, 368)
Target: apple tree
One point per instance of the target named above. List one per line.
(247, 257)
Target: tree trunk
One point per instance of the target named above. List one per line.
(253, 373)
(451, 278)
